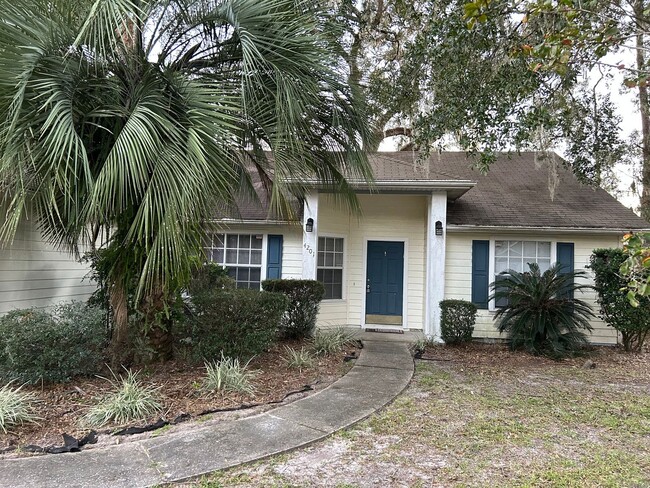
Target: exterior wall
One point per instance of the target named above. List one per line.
(34, 274)
(459, 273)
(383, 217)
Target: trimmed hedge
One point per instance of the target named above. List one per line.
(235, 323)
(304, 301)
(615, 309)
(37, 345)
(457, 321)
(209, 277)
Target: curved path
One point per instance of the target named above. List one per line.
(382, 371)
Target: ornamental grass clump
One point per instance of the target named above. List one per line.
(541, 314)
(129, 402)
(16, 407)
(331, 341)
(298, 358)
(228, 375)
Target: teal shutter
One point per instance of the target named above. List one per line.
(565, 253)
(480, 271)
(274, 258)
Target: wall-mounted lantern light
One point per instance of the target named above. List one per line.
(438, 228)
(309, 225)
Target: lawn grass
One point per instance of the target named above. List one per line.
(478, 422)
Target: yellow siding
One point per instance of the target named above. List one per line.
(459, 274)
(383, 217)
(34, 274)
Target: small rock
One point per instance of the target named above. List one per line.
(589, 364)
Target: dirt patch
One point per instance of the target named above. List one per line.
(61, 406)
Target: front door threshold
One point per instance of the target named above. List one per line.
(372, 319)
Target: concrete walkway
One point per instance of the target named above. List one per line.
(382, 371)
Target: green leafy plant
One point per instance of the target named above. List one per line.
(16, 407)
(542, 314)
(633, 322)
(38, 345)
(233, 323)
(304, 296)
(298, 358)
(457, 321)
(129, 401)
(636, 266)
(228, 375)
(210, 277)
(331, 341)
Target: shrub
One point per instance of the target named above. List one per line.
(235, 323)
(130, 401)
(298, 358)
(210, 277)
(457, 321)
(633, 323)
(36, 345)
(15, 407)
(542, 315)
(304, 301)
(331, 341)
(228, 375)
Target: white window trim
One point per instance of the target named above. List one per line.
(492, 257)
(344, 284)
(263, 264)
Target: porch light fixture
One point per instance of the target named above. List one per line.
(438, 228)
(309, 226)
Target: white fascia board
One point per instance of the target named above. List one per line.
(254, 222)
(556, 230)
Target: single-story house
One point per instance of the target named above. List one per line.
(426, 232)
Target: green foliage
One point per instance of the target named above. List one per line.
(38, 345)
(633, 322)
(543, 316)
(233, 323)
(210, 277)
(331, 341)
(457, 320)
(228, 375)
(16, 407)
(304, 301)
(141, 134)
(298, 358)
(636, 266)
(130, 401)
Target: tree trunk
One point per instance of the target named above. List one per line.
(120, 337)
(158, 325)
(645, 113)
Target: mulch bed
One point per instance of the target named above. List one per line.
(61, 406)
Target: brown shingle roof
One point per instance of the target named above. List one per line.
(514, 193)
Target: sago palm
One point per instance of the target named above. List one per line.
(542, 314)
(138, 119)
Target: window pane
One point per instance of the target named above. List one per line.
(217, 240)
(244, 241)
(244, 257)
(544, 249)
(544, 264)
(319, 275)
(329, 244)
(255, 274)
(256, 243)
(501, 248)
(231, 256)
(329, 259)
(339, 245)
(321, 243)
(514, 248)
(530, 249)
(231, 241)
(256, 257)
(338, 260)
(501, 265)
(321, 258)
(337, 276)
(232, 272)
(217, 256)
(517, 265)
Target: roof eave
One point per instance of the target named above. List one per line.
(557, 230)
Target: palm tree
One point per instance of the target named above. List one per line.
(136, 119)
(541, 313)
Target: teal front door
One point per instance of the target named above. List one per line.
(385, 283)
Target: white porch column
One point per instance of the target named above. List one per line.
(435, 274)
(310, 239)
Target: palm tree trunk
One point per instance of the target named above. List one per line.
(120, 336)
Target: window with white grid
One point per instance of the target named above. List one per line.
(329, 269)
(517, 255)
(241, 254)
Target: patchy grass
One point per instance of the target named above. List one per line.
(482, 416)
